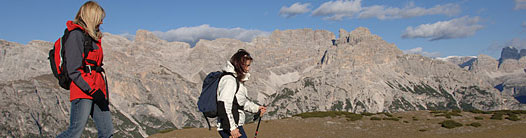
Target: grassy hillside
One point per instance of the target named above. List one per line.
(429, 124)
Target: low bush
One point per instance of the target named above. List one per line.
(376, 118)
(422, 130)
(474, 124)
(350, 116)
(476, 111)
(353, 117)
(447, 114)
(391, 118)
(367, 114)
(386, 114)
(497, 116)
(519, 111)
(454, 113)
(437, 111)
(444, 115)
(479, 118)
(322, 114)
(450, 124)
(513, 117)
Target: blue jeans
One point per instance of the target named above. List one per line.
(80, 111)
(226, 133)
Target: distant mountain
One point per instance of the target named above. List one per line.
(155, 84)
(507, 74)
(462, 61)
(511, 53)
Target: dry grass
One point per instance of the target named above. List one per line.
(414, 124)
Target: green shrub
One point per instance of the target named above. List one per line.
(502, 111)
(406, 121)
(415, 119)
(353, 117)
(513, 117)
(391, 118)
(447, 114)
(519, 111)
(479, 118)
(375, 118)
(350, 116)
(422, 130)
(474, 124)
(437, 111)
(444, 115)
(386, 114)
(454, 113)
(476, 111)
(497, 116)
(321, 114)
(367, 114)
(450, 124)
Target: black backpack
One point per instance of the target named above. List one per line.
(207, 102)
(58, 61)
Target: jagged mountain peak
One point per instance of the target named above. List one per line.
(356, 36)
(361, 31)
(145, 36)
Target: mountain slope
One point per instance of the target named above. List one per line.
(155, 84)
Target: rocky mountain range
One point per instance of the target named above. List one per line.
(155, 84)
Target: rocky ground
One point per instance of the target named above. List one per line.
(414, 124)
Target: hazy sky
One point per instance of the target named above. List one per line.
(432, 28)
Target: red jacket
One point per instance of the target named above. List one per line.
(94, 80)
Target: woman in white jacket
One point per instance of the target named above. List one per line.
(232, 96)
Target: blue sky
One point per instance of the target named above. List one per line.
(432, 28)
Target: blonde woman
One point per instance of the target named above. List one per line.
(83, 61)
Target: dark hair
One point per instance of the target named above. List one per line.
(239, 59)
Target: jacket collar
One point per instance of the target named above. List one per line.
(230, 68)
(73, 26)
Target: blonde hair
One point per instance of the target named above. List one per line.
(89, 16)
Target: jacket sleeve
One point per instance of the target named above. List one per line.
(227, 89)
(74, 48)
(242, 99)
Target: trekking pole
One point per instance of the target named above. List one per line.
(256, 116)
(257, 128)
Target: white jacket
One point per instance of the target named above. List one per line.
(225, 93)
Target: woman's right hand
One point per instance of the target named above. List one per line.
(262, 109)
(235, 133)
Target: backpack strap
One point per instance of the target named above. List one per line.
(88, 46)
(207, 122)
(237, 82)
